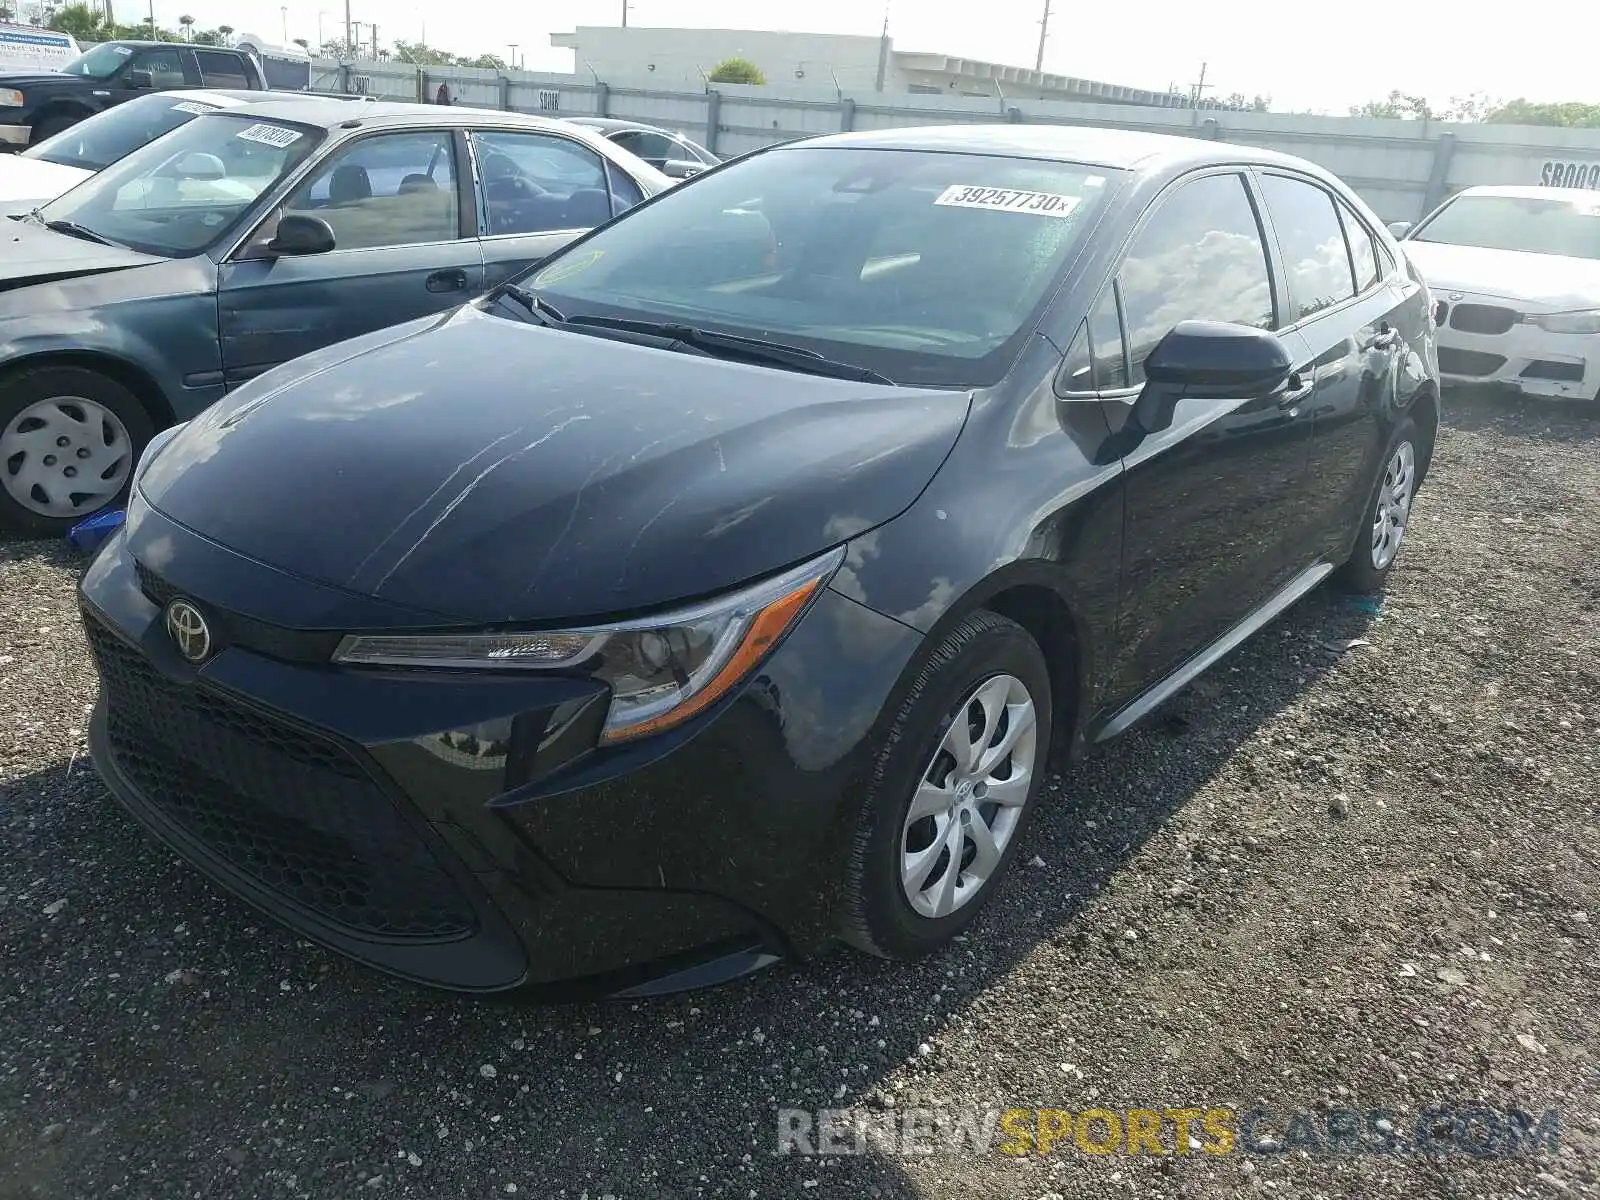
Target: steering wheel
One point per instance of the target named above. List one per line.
(504, 180)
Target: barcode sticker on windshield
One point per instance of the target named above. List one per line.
(270, 135)
(1038, 204)
(189, 106)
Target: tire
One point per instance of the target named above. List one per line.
(878, 914)
(1367, 570)
(57, 422)
(51, 126)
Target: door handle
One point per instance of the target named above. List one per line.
(452, 280)
(1301, 384)
(1384, 339)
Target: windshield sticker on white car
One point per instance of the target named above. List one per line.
(270, 135)
(189, 106)
(1036, 204)
(1095, 181)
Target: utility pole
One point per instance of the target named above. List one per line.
(624, 14)
(883, 51)
(152, 20)
(513, 61)
(349, 45)
(1197, 89)
(1044, 31)
(374, 41)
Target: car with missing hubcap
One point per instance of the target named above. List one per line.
(247, 237)
(726, 584)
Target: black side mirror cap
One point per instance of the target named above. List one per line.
(1209, 359)
(139, 80)
(301, 234)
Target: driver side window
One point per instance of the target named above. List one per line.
(537, 183)
(165, 67)
(394, 189)
(1199, 258)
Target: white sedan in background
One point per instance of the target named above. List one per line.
(1515, 275)
(45, 170)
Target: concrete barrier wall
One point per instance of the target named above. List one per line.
(1401, 168)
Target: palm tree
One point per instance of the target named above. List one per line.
(304, 44)
(226, 31)
(188, 26)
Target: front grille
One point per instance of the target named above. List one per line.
(156, 589)
(1561, 372)
(1482, 318)
(1453, 361)
(290, 809)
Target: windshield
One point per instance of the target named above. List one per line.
(101, 62)
(109, 136)
(1532, 224)
(929, 268)
(189, 188)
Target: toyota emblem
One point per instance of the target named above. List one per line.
(188, 630)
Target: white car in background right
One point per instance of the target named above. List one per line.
(1515, 276)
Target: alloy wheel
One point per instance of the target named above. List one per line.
(65, 457)
(969, 800)
(1394, 505)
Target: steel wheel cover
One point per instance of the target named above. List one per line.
(65, 457)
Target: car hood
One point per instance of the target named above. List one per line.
(492, 471)
(1546, 280)
(34, 181)
(22, 79)
(30, 253)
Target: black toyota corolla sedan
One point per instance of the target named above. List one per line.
(724, 585)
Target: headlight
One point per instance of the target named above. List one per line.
(661, 670)
(1587, 321)
(10, 98)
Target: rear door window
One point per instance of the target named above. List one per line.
(221, 70)
(1200, 257)
(165, 64)
(1363, 249)
(540, 183)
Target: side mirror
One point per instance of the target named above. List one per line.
(139, 80)
(299, 234)
(1400, 228)
(680, 168)
(1209, 359)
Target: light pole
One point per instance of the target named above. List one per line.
(284, 12)
(513, 62)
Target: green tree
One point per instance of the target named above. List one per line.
(422, 54)
(226, 33)
(1570, 114)
(207, 37)
(1397, 105)
(81, 21)
(737, 70)
(6, 13)
(188, 26)
(490, 62)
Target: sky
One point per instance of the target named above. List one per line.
(1318, 59)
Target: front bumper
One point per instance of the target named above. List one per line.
(457, 828)
(1483, 341)
(14, 137)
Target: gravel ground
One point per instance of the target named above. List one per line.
(1338, 873)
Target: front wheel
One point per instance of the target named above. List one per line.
(51, 126)
(1388, 512)
(951, 791)
(69, 438)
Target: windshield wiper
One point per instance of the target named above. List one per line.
(537, 306)
(733, 345)
(75, 230)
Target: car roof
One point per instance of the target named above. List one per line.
(1119, 149)
(226, 97)
(1524, 191)
(613, 124)
(329, 111)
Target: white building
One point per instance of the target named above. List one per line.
(672, 59)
